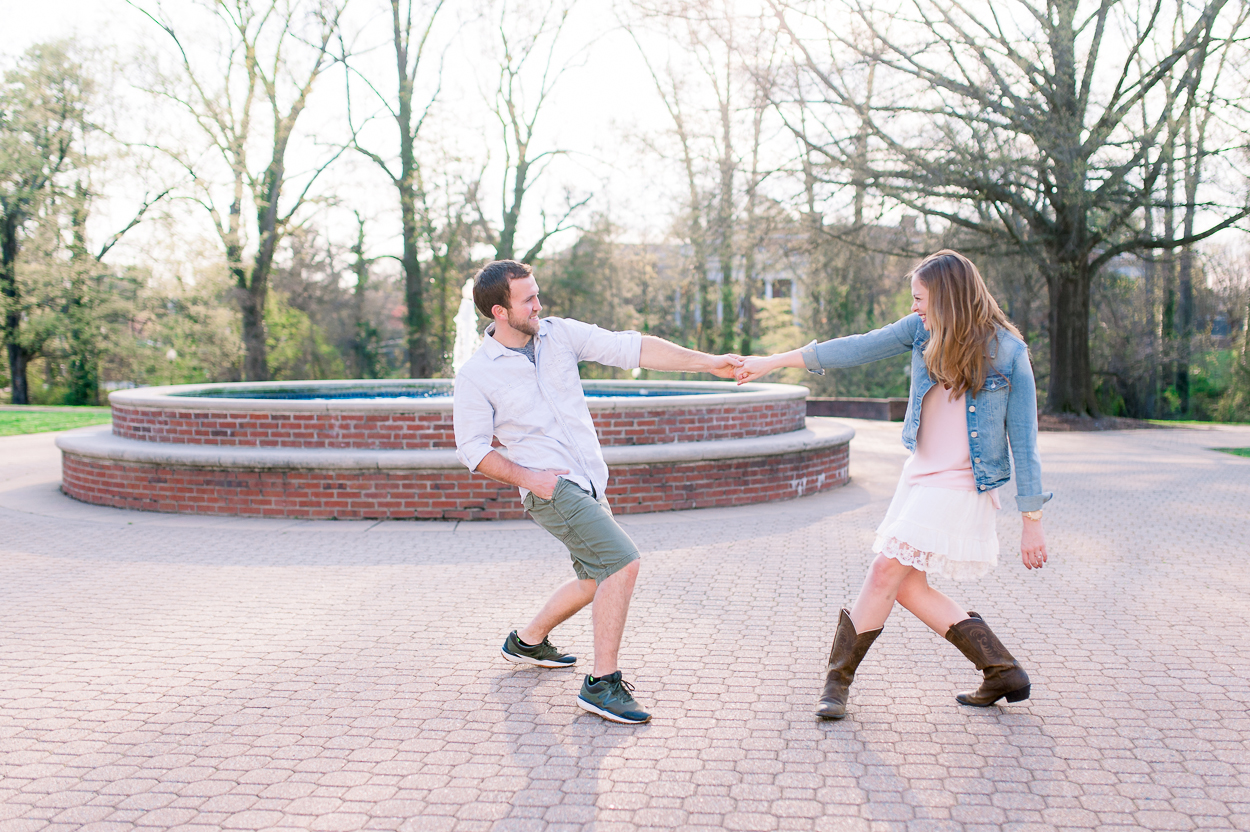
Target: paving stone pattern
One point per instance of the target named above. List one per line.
(202, 673)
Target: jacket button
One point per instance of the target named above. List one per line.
(973, 434)
(982, 487)
(972, 408)
(978, 459)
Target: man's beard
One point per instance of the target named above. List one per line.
(527, 325)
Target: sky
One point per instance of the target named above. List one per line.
(604, 113)
(603, 109)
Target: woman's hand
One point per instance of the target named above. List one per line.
(1032, 544)
(754, 367)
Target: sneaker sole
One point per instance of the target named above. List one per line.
(518, 659)
(608, 715)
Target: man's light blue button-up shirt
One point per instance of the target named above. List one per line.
(538, 410)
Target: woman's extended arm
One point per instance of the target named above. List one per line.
(758, 366)
(849, 351)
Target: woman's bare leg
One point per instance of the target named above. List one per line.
(877, 595)
(931, 606)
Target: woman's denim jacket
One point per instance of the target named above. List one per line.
(1005, 409)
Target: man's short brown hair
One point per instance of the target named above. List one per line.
(492, 286)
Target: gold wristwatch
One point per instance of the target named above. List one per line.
(1033, 515)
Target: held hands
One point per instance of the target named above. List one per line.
(753, 368)
(1032, 544)
(725, 366)
(542, 482)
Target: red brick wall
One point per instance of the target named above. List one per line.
(378, 431)
(453, 494)
(414, 431)
(650, 427)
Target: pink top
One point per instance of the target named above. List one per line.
(941, 459)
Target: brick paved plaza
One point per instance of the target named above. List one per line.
(207, 673)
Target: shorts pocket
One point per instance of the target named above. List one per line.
(533, 500)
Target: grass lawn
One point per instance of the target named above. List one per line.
(14, 422)
(1234, 451)
(1181, 422)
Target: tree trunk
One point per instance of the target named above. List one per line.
(748, 288)
(18, 357)
(256, 296)
(414, 288)
(255, 363)
(1194, 149)
(365, 334)
(1169, 271)
(1185, 313)
(415, 319)
(83, 370)
(506, 250)
(725, 219)
(251, 304)
(1070, 388)
(18, 360)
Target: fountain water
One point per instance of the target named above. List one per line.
(467, 339)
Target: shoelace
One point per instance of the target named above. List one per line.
(621, 683)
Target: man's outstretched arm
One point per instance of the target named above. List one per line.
(658, 354)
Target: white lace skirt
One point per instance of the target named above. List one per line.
(940, 531)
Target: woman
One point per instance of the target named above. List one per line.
(972, 391)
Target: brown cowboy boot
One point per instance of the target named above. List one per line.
(1003, 674)
(844, 657)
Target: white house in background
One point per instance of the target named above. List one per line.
(781, 264)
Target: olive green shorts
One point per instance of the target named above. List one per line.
(598, 546)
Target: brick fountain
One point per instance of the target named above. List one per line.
(385, 450)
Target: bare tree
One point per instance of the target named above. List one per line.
(671, 86)
(762, 71)
(412, 26)
(272, 55)
(722, 58)
(1026, 109)
(528, 75)
(1195, 137)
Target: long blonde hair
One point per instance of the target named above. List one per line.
(963, 320)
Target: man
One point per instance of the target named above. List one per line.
(523, 387)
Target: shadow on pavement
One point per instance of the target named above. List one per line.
(563, 759)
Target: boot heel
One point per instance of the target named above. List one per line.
(1020, 694)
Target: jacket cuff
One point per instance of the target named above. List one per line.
(810, 360)
(1032, 502)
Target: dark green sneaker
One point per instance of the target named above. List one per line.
(542, 655)
(609, 697)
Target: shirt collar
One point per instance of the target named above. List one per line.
(494, 349)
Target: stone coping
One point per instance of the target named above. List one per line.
(100, 443)
(717, 393)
